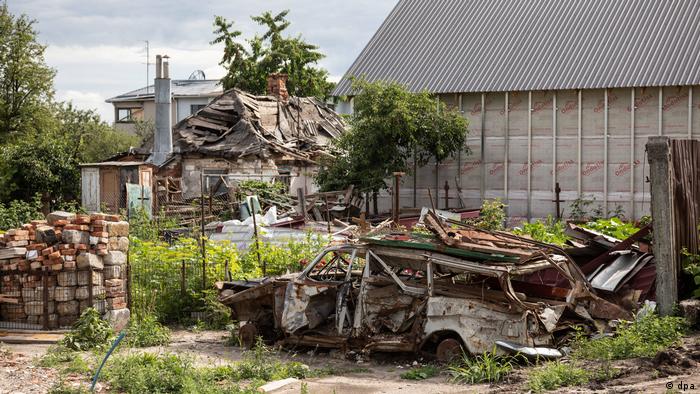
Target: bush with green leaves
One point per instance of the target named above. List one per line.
(17, 212)
(421, 373)
(492, 216)
(486, 367)
(89, 332)
(550, 231)
(613, 227)
(643, 337)
(553, 375)
(145, 331)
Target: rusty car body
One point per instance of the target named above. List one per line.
(411, 294)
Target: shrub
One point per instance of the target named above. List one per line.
(486, 367)
(89, 332)
(554, 375)
(612, 227)
(147, 331)
(642, 338)
(18, 212)
(421, 373)
(550, 231)
(493, 215)
(65, 360)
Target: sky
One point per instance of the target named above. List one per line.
(97, 47)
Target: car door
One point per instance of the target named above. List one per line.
(312, 299)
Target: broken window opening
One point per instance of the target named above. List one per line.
(129, 115)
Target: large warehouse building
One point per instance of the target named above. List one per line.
(556, 91)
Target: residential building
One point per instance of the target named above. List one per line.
(188, 96)
(557, 92)
(236, 136)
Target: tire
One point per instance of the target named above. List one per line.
(247, 336)
(448, 349)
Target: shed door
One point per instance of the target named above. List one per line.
(109, 189)
(90, 189)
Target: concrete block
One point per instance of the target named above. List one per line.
(117, 229)
(59, 215)
(67, 278)
(85, 260)
(114, 257)
(75, 237)
(118, 318)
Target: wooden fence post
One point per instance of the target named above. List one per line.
(658, 151)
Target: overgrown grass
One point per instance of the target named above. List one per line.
(486, 367)
(62, 388)
(421, 373)
(65, 360)
(553, 375)
(172, 373)
(642, 338)
(147, 331)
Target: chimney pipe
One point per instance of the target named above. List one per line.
(163, 137)
(159, 66)
(277, 86)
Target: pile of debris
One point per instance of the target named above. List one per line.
(53, 269)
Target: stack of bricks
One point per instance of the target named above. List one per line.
(47, 267)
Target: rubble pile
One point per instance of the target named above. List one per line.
(53, 269)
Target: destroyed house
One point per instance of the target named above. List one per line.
(236, 136)
(243, 134)
(557, 92)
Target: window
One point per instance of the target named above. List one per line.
(128, 115)
(196, 107)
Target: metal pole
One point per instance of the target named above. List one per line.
(580, 148)
(45, 298)
(632, 153)
(415, 178)
(661, 110)
(202, 242)
(605, 153)
(507, 152)
(482, 148)
(257, 243)
(396, 205)
(554, 144)
(328, 214)
(529, 155)
(447, 194)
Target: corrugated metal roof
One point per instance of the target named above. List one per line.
(450, 46)
(180, 88)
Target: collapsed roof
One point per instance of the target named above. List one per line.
(238, 124)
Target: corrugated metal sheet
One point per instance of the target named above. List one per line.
(449, 46)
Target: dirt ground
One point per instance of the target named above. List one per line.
(676, 367)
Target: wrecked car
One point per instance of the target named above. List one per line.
(409, 293)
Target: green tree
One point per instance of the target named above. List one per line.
(389, 127)
(26, 82)
(46, 161)
(249, 65)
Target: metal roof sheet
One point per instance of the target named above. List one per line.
(180, 88)
(451, 46)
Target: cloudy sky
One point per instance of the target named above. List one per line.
(97, 47)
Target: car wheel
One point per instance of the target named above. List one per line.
(247, 335)
(448, 349)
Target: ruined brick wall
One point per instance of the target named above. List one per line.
(53, 269)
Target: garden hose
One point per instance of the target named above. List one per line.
(114, 345)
